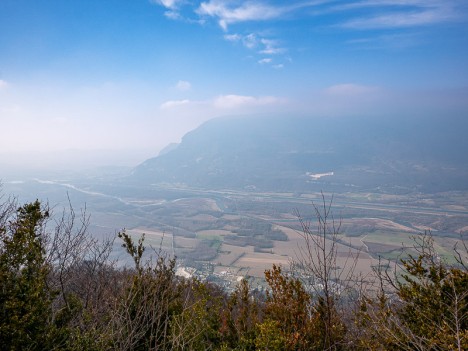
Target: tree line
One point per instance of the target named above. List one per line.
(60, 289)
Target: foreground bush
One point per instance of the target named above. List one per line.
(59, 290)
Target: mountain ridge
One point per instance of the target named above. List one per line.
(282, 153)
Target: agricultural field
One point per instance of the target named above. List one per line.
(244, 233)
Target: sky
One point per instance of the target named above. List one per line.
(114, 81)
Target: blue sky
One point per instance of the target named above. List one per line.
(117, 80)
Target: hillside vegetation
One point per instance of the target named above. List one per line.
(60, 290)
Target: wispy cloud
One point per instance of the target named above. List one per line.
(358, 14)
(394, 41)
(173, 15)
(259, 44)
(271, 47)
(354, 16)
(225, 102)
(234, 101)
(233, 37)
(399, 13)
(228, 12)
(395, 3)
(265, 61)
(170, 4)
(250, 41)
(174, 103)
(402, 19)
(183, 85)
(3, 84)
(256, 41)
(174, 10)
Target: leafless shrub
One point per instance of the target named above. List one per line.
(329, 282)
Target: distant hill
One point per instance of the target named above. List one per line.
(300, 154)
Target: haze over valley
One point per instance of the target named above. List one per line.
(229, 194)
